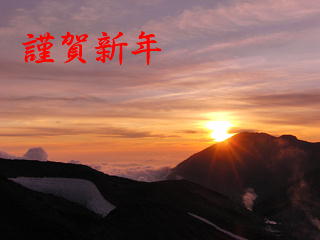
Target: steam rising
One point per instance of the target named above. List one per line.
(248, 198)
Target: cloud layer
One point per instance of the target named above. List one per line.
(255, 63)
(37, 153)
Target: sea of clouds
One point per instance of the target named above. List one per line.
(137, 172)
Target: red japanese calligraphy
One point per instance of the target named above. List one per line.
(75, 50)
(43, 48)
(37, 49)
(145, 46)
(104, 45)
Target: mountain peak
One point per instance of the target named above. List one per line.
(276, 175)
(252, 135)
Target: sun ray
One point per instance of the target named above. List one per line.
(220, 130)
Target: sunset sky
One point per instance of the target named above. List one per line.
(253, 63)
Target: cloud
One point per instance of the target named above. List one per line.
(294, 117)
(260, 40)
(54, 15)
(140, 173)
(126, 133)
(235, 57)
(36, 154)
(243, 130)
(113, 132)
(135, 171)
(146, 174)
(191, 131)
(74, 162)
(51, 99)
(311, 98)
(248, 198)
(5, 155)
(232, 17)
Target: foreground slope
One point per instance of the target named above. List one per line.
(160, 210)
(28, 214)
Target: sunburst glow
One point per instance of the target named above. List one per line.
(220, 130)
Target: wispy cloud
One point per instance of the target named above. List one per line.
(255, 62)
(111, 132)
(297, 99)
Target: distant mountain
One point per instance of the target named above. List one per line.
(41, 200)
(276, 177)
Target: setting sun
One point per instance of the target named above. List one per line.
(220, 130)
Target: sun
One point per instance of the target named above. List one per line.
(220, 130)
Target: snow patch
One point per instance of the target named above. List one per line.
(270, 222)
(271, 227)
(230, 234)
(80, 191)
(316, 222)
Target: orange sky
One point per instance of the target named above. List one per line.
(253, 63)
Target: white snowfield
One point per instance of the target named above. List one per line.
(80, 191)
(230, 234)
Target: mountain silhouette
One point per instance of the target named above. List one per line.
(278, 177)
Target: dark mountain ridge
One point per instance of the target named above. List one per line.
(159, 210)
(280, 174)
